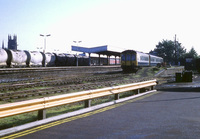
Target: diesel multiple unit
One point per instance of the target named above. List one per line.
(132, 60)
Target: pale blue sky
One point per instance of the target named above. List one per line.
(126, 24)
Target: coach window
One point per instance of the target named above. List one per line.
(153, 60)
(144, 58)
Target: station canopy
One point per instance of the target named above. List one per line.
(104, 50)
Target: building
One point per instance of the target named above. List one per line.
(3, 45)
(100, 50)
(12, 43)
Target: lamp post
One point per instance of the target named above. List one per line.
(76, 54)
(39, 48)
(56, 51)
(45, 41)
(77, 42)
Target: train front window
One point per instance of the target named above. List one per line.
(133, 58)
(128, 57)
(123, 57)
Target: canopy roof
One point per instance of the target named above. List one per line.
(97, 50)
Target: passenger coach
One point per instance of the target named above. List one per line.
(132, 60)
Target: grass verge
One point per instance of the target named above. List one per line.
(21, 119)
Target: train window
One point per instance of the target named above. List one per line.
(157, 60)
(153, 59)
(145, 58)
(133, 58)
(128, 57)
(123, 57)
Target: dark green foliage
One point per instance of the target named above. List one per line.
(169, 51)
(173, 52)
(191, 54)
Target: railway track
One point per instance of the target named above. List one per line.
(23, 74)
(50, 69)
(37, 83)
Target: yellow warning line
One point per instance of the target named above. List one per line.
(42, 127)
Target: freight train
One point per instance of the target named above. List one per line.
(20, 58)
(132, 60)
(12, 58)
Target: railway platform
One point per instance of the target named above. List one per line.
(193, 86)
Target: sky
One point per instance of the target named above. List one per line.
(120, 24)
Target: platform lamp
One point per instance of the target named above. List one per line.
(76, 54)
(77, 42)
(45, 36)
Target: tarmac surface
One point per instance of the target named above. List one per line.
(162, 114)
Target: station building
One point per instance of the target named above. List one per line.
(100, 51)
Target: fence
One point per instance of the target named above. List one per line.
(42, 104)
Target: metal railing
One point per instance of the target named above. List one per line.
(42, 104)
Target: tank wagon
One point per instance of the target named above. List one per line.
(132, 60)
(50, 59)
(12, 58)
(3, 56)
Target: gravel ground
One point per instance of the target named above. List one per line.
(25, 84)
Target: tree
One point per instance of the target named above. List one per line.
(191, 54)
(190, 60)
(170, 51)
